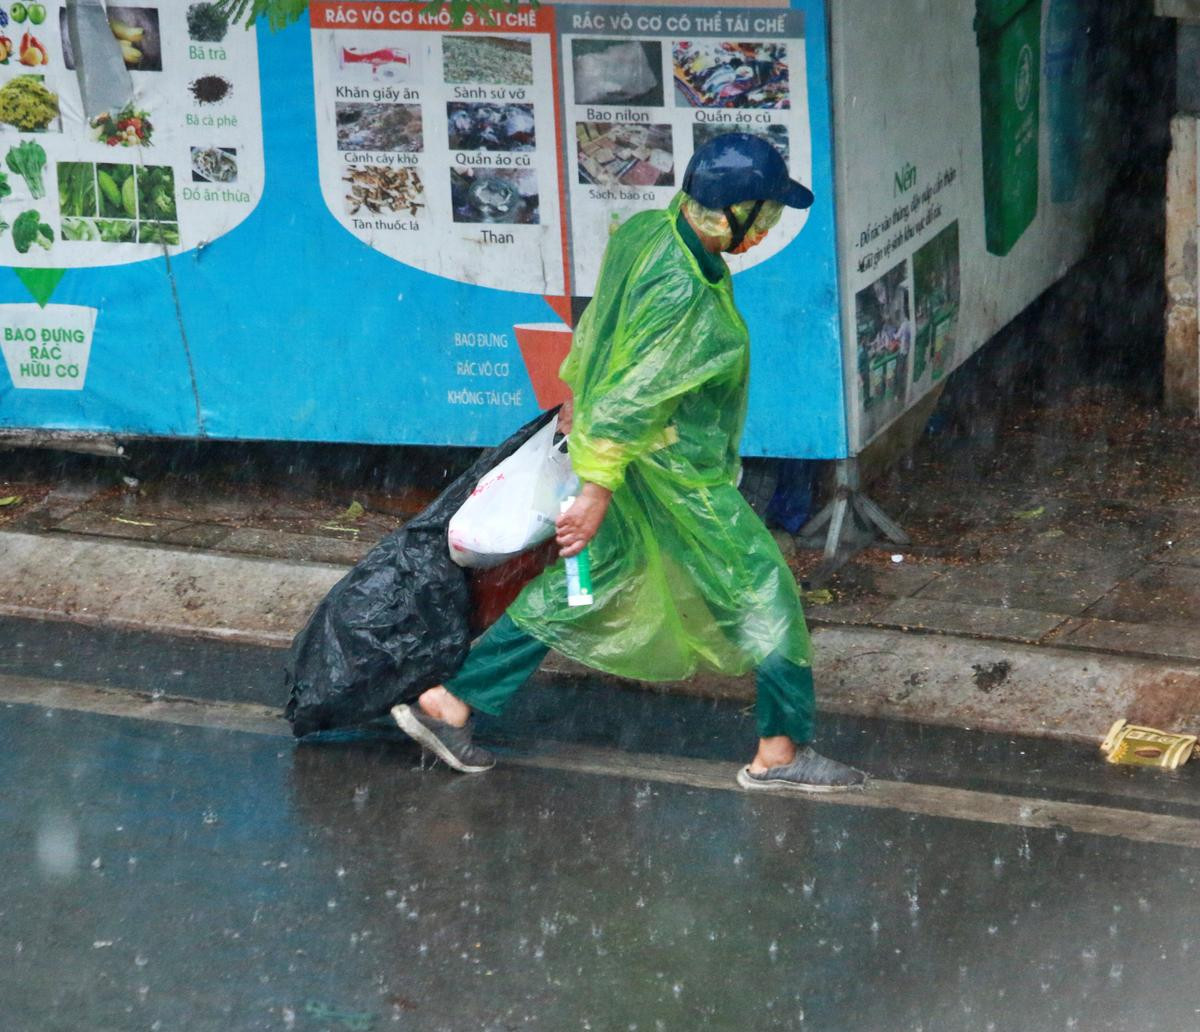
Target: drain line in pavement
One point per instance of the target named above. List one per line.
(906, 797)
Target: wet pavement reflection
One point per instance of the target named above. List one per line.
(165, 877)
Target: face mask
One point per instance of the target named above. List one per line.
(762, 218)
(756, 236)
(707, 222)
(768, 217)
(710, 222)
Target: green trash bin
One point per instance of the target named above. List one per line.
(1008, 33)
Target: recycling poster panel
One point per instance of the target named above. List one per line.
(177, 168)
(970, 176)
(379, 226)
(534, 147)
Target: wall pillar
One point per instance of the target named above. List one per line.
(1181, 361)
(1181, 366)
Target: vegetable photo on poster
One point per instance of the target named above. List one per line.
(29, 105)
(136, 29)
(169, 161)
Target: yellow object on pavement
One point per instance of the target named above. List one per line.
(1146, 746)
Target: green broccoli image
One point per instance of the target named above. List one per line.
(29, 229)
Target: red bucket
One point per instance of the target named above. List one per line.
(494, 590)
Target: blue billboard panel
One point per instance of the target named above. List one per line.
(377, 227)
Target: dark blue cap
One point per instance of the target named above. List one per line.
(736, 167)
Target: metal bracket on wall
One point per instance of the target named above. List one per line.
(851, 512)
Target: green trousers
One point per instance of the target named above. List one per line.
(505, 657)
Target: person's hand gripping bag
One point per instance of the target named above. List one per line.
(514, 507)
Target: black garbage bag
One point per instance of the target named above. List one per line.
(396, 624)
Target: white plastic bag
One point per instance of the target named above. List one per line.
(617, 73)
(513, 508)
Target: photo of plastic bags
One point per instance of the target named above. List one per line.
(611, 71)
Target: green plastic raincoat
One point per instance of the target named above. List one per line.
(685, 576)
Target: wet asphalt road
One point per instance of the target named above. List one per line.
(165, 876)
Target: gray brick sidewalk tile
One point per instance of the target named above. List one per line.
(1180, 553)
(1146, 639)
(1159, 594)
(198, 535)
(1032, 584)
(302, 547)
(859, 612)
(133, 526)
(894, 580)
(980, 621)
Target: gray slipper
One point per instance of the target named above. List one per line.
(808, 772)
(447, 742)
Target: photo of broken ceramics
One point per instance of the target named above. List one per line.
(498, 60)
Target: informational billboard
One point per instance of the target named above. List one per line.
(174, 170)
(390, 243)
(970, 172)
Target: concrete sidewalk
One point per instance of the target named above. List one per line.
(987, 681)
(1075, 526)
(1052, 587)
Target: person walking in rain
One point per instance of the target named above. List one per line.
(684, 575)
